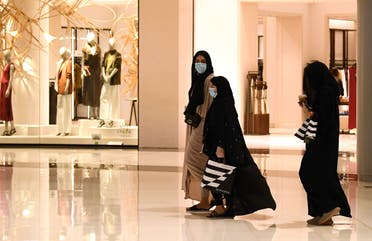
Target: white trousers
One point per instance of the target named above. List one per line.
(64, 122)
(109, 102)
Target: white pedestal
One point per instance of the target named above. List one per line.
(84, 132)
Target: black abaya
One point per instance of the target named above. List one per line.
(250, 192)
(318, 171)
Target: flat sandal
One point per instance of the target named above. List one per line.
(12, 131)
(225, 214)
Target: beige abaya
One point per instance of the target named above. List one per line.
(194, 160)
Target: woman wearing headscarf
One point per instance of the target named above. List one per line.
(194, 160)
(223, 139)
(318, 171)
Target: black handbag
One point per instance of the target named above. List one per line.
(193, 119)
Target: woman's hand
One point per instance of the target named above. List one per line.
(220, 152)
(307, 112)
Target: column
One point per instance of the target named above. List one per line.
(165, 57)
(364, 91)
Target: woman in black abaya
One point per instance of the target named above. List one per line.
(318, 171)
(223, 138)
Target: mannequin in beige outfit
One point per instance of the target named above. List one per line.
(64, 98)
(194, 160)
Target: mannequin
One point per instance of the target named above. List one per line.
(111, 73)
(91, 75)
(64, 78)
(6, 111)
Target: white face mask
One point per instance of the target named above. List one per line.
(212, 92)
(200, 67)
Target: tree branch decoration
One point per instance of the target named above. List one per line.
(20, 32)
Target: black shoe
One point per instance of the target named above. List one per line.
(225, 214)
(194, 208)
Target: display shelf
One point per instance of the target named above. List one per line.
(84, 132)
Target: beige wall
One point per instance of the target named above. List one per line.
(248, 53)
(216, 31)
(160, 73)
(185, 33)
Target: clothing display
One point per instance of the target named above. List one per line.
(64, 75)
(112, 60)
(92, 80)
(259, 94)
(52, 103)
(64, 122)
(6, 111)
(78, 85)
(109, 107)
(109, 99)
(344, 82)
(352, 97)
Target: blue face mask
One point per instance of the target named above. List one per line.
(212, 92)
(200, 67)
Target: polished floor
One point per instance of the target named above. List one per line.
(130, 195)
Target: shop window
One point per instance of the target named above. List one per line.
(76, 72)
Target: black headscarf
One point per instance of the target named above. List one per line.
(316, 77)
(222, 127)
(224, 91)
(196, 92)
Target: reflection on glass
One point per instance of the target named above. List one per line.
(25, 202)
(91, 203)
(94, 202)
(110, 184)
(6, 173)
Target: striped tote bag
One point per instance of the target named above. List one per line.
(307, 131)
(218, 177)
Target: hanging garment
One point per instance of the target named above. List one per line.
(52, 103)
(112, 60)
(6, 110)
(352, 98)
(92, 81)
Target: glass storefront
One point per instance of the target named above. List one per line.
(69, 72)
